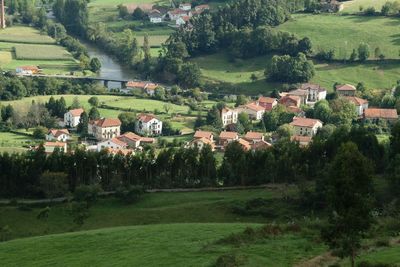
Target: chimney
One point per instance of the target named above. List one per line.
(2, 15)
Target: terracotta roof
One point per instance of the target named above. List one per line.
(115, 140)
(131, 136)
(345, 87)
(32, 68)
(304, 122)
(253, 135)
(146, 117)
(294, 109)
(267, 100)
(136, 84)
(203, 6)
(301, 139)
(312, 86)
(204, 140)
(228, 135)
(293, 98)
(261, 145)
(254, 107)
(147, 140)
(177, 12)
(225, 110)
(106, 122)
(245, 144)
(298, 92)
(58, 132)
(381, 113)
(203, 134)
(55, 144)
(185, 18)
(76, 112)
(356, 100)
(151, 86)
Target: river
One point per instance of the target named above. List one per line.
(110, 67)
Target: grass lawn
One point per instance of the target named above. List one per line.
(348, 33)
(354, 5)
(11, 142)
(219, 68)
(155, 245)
(26, 46)
(151, 105)
(388, 255)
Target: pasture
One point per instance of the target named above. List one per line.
(26, 46)
(12, 142)
(348, 33)
(354, 5)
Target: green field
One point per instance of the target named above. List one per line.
(11, 142)
(354, 5)
(26, 46)
(348, 33)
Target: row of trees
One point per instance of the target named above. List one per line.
(285, 162)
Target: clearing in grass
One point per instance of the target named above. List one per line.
(41, 52)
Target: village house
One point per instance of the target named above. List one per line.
(345, 90)
(148, 124)
(296, 110)
(376, 114)
(155, 16)
(361, 104)
(290, 101)
(175, 14)
(229, 116)
(201, 139)
(302, 140)
(50, 147)
(246, 146)
(254, 137)
(27, 70)
(185, 6)
(104, 128)
(300, 93)
(305, 126)
(147, 87)
(227, 137)
(182, 20)
(113, 143)
(268, 103)
(135, 141)
(61, 135)
(260, 145)
(72, 117)
(201, 8)
(315, 92)
(254, 111)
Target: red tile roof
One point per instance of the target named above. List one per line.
(55, 144)
(135, 84)
(267, 100)
(131, 136)
(203, 134)
(107, 122)
(228, 135)
(58, 132)
(304, 122)
(246, 145)
(254, 107)
(356, 100)
(76, 112)
(117, 141)
(261, 145)
(345, 87)
(32, 68)
(373, 113)
(253, 136)
(146, 117)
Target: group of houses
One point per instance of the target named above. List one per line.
(307, 94)
(250, 141)
(179, 15)
(106, 132)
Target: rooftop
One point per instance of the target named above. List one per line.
(345, 87)
(253, 135)
(228, 135)
(76, 112)
(381, 113)
(203, 134)
(304, 122)
(106, 122)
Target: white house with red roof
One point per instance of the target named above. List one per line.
(305, 126)
(229, 116)
(50, 147)
(135, 141)
(254, 137)
(201, 139)
(105, 128)
(113, 143)
(361, 104)
(254, 111)
(61, 135)
(148, 124)
(315, 92)
(72, 117)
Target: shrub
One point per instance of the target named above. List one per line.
(87, 194)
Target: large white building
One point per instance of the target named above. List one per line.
(61, 135)
(104, 128)
(148, 124)
(229, 116)
(72, 117)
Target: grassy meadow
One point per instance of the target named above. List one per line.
(353, 6)
(26, 46)
(12, 142)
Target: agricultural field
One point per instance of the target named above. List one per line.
(348, 33)
(12, 142)
(354, 5)
(26, 46)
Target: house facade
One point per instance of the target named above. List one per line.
(254, 137)
(268, 103)
(305, 126)
(185, 6)
(360, 104)
(315, 92)
(72, 117)
(148, 124)
(254, 111)
(345, 90)
(61, 135)
(227, 137)
(113, 143)
(50, 147)
(104, 128)
(376, 114)
(290, 101)
(229, 116)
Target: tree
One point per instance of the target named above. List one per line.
(290, 69)
(94, 101)
(138, 14)
(75, 103)
(363, 52)
(83, 124)
(39, 132)
(322, 111)
(7, 112)
(167, 107)
(123, 11)
(377, 52)
(159, 93)
(353, 56)
(54, 184)
(146, 47)
(285, 131)
(189, 75)
(241, 100)
(94, 114)
(128, 121)
(349, 196)
(95, 65)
